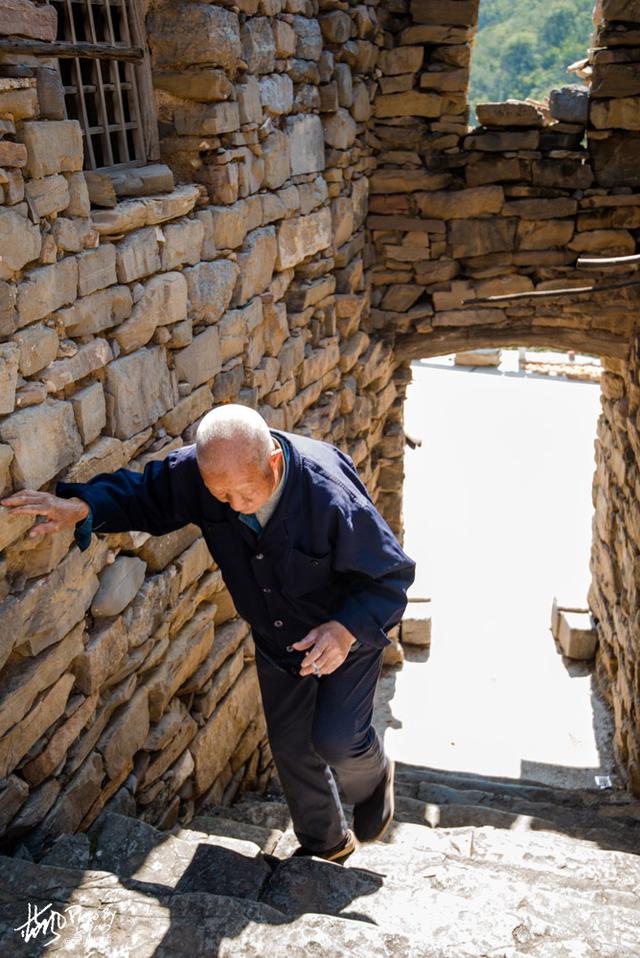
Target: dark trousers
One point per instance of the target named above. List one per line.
(317, 725)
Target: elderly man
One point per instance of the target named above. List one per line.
(314, 569)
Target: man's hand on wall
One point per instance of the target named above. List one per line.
(328, 646)
(58, 513)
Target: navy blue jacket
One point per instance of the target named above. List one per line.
(325, 553)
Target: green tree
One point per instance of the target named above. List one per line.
(523, 47)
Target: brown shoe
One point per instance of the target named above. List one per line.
(336, 854)
(372, 817)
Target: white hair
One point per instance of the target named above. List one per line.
(233, 432)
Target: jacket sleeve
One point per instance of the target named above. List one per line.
(379, 573)
(158, 500)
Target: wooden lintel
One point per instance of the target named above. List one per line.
(596, 262)
(64, 49)
(539, 294)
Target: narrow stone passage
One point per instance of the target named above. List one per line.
(498, 516)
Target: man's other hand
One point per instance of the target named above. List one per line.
(328, 646)
(59, 513)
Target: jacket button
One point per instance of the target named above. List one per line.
(278, 623)
(267, 590)
(314, 562)
(260, 556)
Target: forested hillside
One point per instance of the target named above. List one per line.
(524, 47)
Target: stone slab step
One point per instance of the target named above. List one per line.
(454, 903)
(541, 851)
(220, 865)
(524, 788)
(460, 816)
(272, 815)
(580, 816)
(219, 825)
(96, 913)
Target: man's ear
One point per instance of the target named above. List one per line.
(276, 458)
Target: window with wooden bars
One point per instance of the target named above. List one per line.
(107, 80)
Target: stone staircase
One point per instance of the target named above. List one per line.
(484, 868)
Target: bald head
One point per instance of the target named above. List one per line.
(233, 434)
(237, 457)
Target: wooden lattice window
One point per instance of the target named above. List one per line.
(107, 80)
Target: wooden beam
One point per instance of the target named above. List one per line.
(64, 49)
(597, 262)
(539, 294)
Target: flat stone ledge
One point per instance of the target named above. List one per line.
(147, 211)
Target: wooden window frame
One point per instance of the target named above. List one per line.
(128, 136)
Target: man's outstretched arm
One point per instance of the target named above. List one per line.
(158, 500)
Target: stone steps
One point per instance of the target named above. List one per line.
(467, 885)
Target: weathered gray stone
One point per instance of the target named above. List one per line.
(50, 706)
(50, 607)
(38, 347)
(308, 38)
(90, 411)
(256, 263)
(211, 287)
(200, 361)
(201, 119)
(138, 391)
(47, 195)
(335, 26)
(277, 163)
(248, 94)
(129, 215)
(6, 458)
(229, 224)
(53, 146)
(510, 113)
(163, 302)
(340, 129)
(276, 94)
(21, 683)
(306, 140)
(20, 242)
(88, 359)
(303, 236)
(186, 411)
(184, 655)
(258, 45)
(96, 269)
(119, 583)
(9, 360)
(212, 748)
(401, 59)
(188, 34)
(93, 314)
(79, 204)
(44, 440)
(46, 289)
(206, 85)
(137, 255)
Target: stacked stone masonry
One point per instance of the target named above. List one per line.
(230, 269)
(317, 217)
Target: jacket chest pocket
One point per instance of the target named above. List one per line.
(303, 573)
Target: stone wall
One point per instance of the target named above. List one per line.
(501, 211)
(503, 214)
(614, 597)
(232, 272)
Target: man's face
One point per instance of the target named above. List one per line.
(245, 487)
